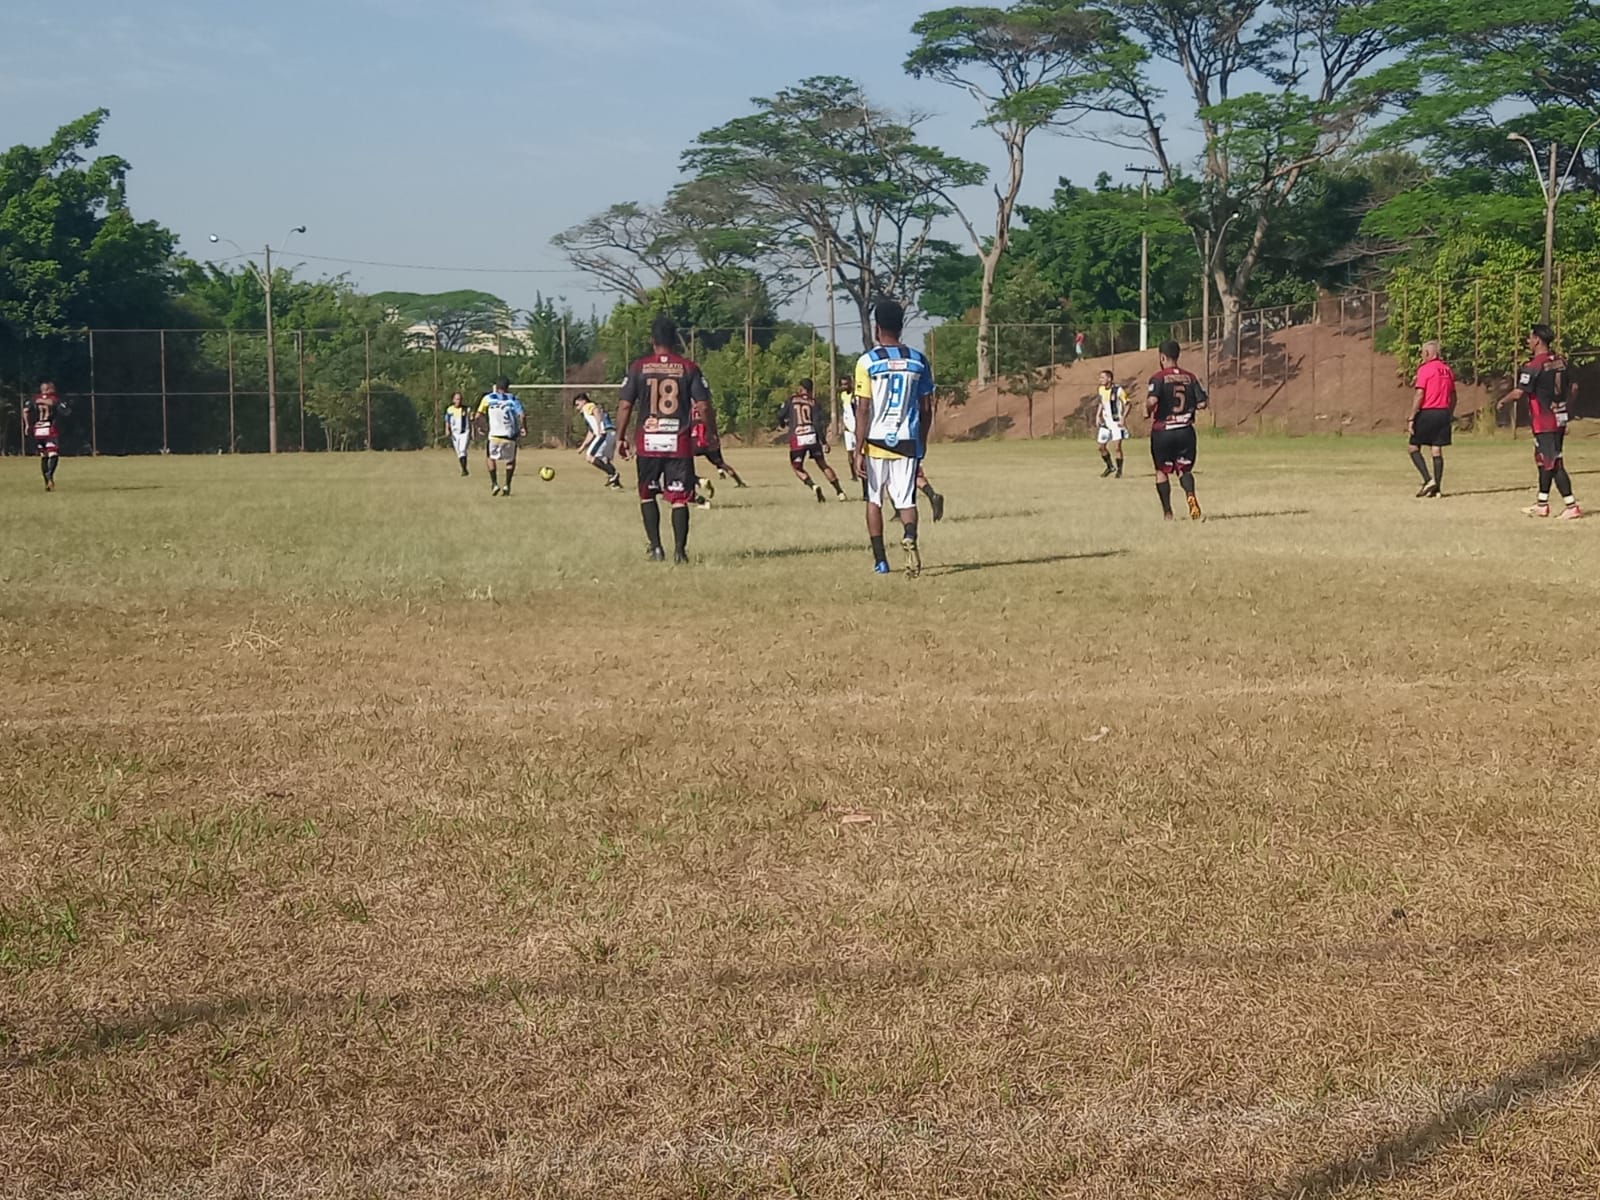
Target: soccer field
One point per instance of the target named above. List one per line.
(362, 835)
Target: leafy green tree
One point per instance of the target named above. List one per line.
(72, 255)
(1262, 144)
(456, 319)
(1029, 66)
(823, 175)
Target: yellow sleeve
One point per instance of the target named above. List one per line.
(863, 379)
(483, 406)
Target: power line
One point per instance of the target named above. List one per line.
(363, 262)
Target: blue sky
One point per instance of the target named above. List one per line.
(448, 132)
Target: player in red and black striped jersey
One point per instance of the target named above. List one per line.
(1544, 382)
(1173, 397)
(41, 419)
(665, 386)
(708, 441)
(801, 417)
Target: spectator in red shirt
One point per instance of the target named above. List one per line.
(1433, 415)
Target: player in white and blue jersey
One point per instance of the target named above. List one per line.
(507, 423)
(894, 410)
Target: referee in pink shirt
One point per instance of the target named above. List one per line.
(1432, 415)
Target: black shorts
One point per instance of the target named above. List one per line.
(1173, 450)
(1431, 427)
(797, 457)
(713, 455)
(673, 478)
(1548, 448)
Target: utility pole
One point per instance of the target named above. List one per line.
(263, 276)
(1144, 251)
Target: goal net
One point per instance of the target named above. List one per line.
(552, 419)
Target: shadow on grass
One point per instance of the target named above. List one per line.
(1042, 561)
(1399, 1152)
(962, 518)
(803, 551)
(1383, 1162)
(1258, 516)
(1507, 491)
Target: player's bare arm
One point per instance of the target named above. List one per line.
(624, 417)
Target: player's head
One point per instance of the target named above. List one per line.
(1106, 378)
(889, 319)
(847, 387)
(46, 388)
(805, 386)
(1541, 337)
(580, 400)
(1431, 350)
(1169, 351)
(664, 333)
(455, 397)
(502, 384)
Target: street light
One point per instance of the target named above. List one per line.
(264, 277)
(1552, 195)
(1144, 252)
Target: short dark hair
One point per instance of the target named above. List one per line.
(1170, 350)
(580, 398)
(805, 385)
(1544, 333)
(502, 382)
(889, 316)
(663, 331)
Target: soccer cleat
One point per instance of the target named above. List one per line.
(1166, 516)
(936, 502)
(881, 568)
(721, 474)
(817, 488)
(655, 554)
(1428, 489)
(614, 483)
(739, 483)
(495, 491)
(1119, 468)
(1194, 509)
(680, 558)
(1108, 472)
(49, 485)
(839, 495)
(1570, 512)
(913, 557)
(1537, 510)
(506, 491)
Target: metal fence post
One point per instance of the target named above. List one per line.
(1053, 380)
(366, 339)
(94, 408)
(1477, 327)
(233, 439)
(300, 358)
(165, 446)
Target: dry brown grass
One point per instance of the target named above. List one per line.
(324, 878)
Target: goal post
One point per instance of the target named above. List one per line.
(552, 420)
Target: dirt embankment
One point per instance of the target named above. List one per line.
(1304, 379)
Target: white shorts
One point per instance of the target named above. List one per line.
(461, 441)
(603, 448)
(503, 450)
(850, 441)
(1112, 435)
(897, 476)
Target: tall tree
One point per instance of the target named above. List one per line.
(1029, 66)
(454, 319)
(71, 253)
(828, 177)
(1261, 144)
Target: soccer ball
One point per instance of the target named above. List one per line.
(705, 488)
(547, 473)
